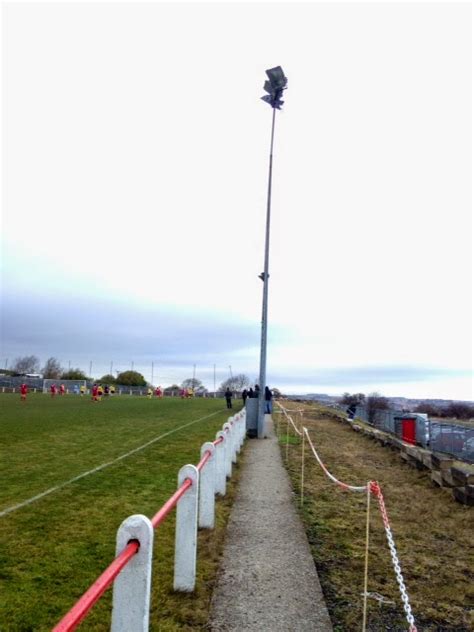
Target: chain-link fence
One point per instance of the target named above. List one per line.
(10, 382)
(13, 383)
(70, 386)
(453, 439)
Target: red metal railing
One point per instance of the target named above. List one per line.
(205, 458)
(82, 607)
(79, 611)
(169, 504)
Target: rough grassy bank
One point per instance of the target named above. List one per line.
(433, 535)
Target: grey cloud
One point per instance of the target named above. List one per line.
(362, 375)
(79, 326)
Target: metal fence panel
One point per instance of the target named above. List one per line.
(453, 439)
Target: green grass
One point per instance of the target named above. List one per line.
(288, 439)
(53, 549)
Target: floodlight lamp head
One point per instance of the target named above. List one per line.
(267, 86)
(277, 78)
(274, 86)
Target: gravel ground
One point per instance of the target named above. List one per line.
(268, 581)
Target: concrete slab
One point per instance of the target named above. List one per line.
(268, 581)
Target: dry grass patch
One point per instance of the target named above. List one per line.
(433, 534)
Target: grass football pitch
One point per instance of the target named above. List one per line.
(54, 547)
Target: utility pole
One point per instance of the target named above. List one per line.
(90, 369)
(274, 87)
(194, 375)
(111, 367)
(152, 373)
(214, 380)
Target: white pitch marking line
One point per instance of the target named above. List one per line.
(100, 467)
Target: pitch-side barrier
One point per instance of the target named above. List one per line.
(371, 487)
(130, 572)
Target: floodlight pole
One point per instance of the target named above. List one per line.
(263, 340)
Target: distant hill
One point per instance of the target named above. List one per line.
(396, 403)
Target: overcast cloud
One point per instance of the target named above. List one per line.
(135, 159)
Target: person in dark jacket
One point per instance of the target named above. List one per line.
(228, 397)
(245, 394)
(351, 411)
(268, 400)
(257, 390)
(250, 394)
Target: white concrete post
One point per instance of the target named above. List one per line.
(239, 435)
(238, 421)
(207, 485)
(131, 592)
(186, 532)
(228, 449)
(220, 464)
(243, 428)
(233, 433)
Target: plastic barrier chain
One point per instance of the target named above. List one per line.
(374, 488)
(352, 488)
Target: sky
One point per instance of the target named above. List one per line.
(134, 187)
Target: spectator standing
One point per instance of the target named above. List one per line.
(257, 390)
(245, 394)
(228, 397)
(268, 400)
(250, 393)
(351, 411)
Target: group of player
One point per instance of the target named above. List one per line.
(54, 390)
(158, 392)
(98, 391)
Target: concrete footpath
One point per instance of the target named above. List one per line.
(268, 581)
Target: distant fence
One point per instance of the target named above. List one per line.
(453, 439)
(130, 571)
(9, 384)
(449, 438)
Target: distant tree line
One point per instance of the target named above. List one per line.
(53, 370)
(375, 401)
(372, 403)
(456, 410)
